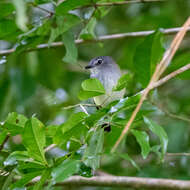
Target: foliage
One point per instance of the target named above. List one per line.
(37, 83)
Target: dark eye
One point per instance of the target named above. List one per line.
(99, 61)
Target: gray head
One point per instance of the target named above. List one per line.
(98, 63)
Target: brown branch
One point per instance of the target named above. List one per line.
(108, 4)
(3, 143)
(170, 52)
(170, 76)
(178, 154)
(121, 181)
(168, 31)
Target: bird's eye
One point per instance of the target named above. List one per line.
(99, 61)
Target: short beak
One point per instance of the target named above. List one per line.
(88, 67)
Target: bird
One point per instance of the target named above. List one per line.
(108, 73)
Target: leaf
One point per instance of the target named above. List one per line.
(68, 5)
(94, 149)
(26, 178)
(71, 49)
(15, 123)
(16, 156)
(34, 139)
(87, 33)
(90, 88)
(147, 55)
(143, 140)
(7, 27)
(21, 16)
(159, 131)
(179, 62)
(63, 24)
(45, 175)
(6, 9)
(122, 82)
(128, 158)
(65, 170)
(70, 128)
(3, 135)
(125, 103)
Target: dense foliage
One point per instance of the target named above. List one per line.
(50, 127)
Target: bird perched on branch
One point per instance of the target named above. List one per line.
(108, 72)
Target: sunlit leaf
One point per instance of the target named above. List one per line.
(159, 131)
(15, 123)
(16, 156)
(71, 49)
(65, 170)
(143, 140)
(34, 139)
(90, 88)
(21, 16)
(94, 149)
(67, 129)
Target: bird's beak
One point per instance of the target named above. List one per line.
(89, 66)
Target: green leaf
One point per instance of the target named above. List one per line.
(26, 178)
(94, 149)
(3, 135)
(16, 156)
(45, 175)
(68, 5)
(159, 131)
(71, 49)
(63, 24)
(179, 62)
(143, 140)
(128, 158)
(90, 88)
(6, 9)
(34, 139)
(147, 55)
(65, 170)
(70, 128)
(7, 27)
(21, 16)
(15, 123)
(87, 33)
(122, 82)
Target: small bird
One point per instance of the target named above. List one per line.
(108, 72)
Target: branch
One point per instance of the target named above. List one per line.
(168, 31)
(160, 68)
(121, 181)
(108, 4)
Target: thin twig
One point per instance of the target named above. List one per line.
(108, 4)
(158, 71)
(3, 143)
(78, 105)
(168, 31)
(166, 112)
(178, 154)
(50, 147)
